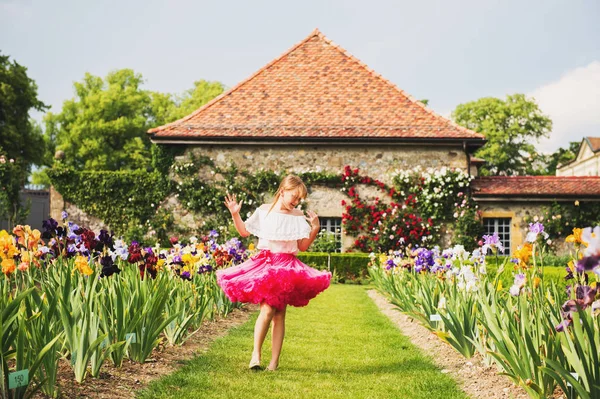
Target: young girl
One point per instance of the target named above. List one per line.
(274, 277)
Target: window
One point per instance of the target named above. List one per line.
(333, 225)
(500, 226)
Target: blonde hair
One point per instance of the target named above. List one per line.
(289, 183)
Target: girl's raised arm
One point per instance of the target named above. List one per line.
(315, 226)
(234, 208)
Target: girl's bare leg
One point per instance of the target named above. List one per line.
(277, 337)
(260, 329)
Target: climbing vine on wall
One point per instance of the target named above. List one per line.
(410, 212)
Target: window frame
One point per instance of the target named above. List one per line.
(501, 225)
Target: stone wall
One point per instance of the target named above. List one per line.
(76, 215)
(376, 161)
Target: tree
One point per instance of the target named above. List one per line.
(510, 126)
(562, 156)
(166, 108)
(202, 92)
(104, 127)
(21, 142)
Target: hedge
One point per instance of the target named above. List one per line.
(350, 265)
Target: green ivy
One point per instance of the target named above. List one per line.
(205, 195)
(121, 199)
(163, 156)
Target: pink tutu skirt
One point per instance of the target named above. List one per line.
(278, 279)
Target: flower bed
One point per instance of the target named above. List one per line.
(521, 327)
(68, 293)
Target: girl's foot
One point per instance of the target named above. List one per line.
(254, 363)
(272, 367)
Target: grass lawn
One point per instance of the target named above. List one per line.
(339, 346)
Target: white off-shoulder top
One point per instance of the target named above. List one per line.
(277, 232)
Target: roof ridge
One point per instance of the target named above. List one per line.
(314, 33)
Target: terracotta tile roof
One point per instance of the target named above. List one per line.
(542, 186)
(594, 143)
(315, 90)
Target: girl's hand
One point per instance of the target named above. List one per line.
(232, 204)
(313, 219)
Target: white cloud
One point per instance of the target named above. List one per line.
(573, 104)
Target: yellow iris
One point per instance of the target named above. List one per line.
(82, 264)
(575, 238)
(8, 266)
(8, 248)
(523, 254)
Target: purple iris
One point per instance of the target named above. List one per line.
(536, 227)
(205, 269)
(490, 241)
(390, 264)
(50, 224)
(569, 275)
(587, 264)
(424, 260)
(585, 296)
(105, 239)
(108, 266)
(520, 279)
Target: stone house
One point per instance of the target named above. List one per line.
(318, 108)
(587, 162)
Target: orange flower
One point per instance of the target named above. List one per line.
(8, 266)
(523, 254)
(536, 282)
(23, 266)
(8, 248)
(34, 239)
(19, 231)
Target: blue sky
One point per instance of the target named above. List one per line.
(449, 52)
